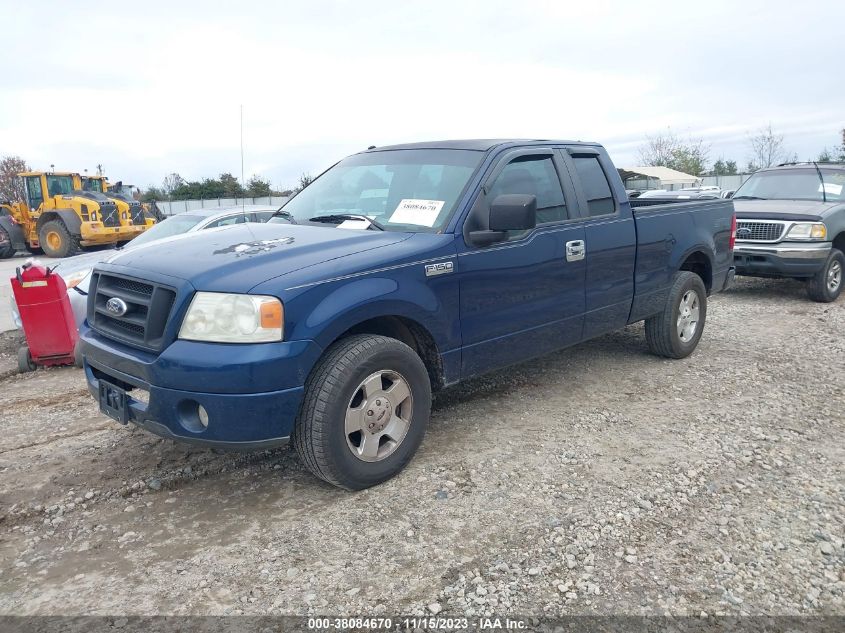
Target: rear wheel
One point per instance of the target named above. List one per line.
(826, 285)
(25, 362)
(366, 406)
(6, 248)
(675, 332)
(57, 241)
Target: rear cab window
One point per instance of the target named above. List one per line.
(595, 185)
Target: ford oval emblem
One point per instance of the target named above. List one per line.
(116, 306)
(743, 233)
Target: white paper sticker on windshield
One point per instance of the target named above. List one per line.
(831, 188)
(419, 212)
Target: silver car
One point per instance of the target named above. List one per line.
(76, 271)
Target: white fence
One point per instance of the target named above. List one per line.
(173, 207)
(722, 182)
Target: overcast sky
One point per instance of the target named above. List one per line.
(148, 88)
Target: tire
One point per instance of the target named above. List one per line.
(336, 390)
(6, 248)
(826, 285)
(663, 331)
(56, 240)
(25, 362)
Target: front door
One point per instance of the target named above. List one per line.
(524, 296)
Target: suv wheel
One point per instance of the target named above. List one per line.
(826, 285)
(675, 332)
(366, 405)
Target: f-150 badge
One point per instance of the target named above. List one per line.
(440, 268)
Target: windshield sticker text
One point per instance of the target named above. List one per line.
(419, 212)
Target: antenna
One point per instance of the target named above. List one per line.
(821, 178)
(243, 182)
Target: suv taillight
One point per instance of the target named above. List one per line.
(732, 243)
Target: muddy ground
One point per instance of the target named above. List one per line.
(596, 480)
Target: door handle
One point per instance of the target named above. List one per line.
(575, 250)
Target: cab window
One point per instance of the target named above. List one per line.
(33, 191)
(59, 185)
(595, 185)
(536, 176)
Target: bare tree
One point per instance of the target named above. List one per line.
(667, 150)
(171, 183)
(304, 180)
(767, 148)
(11, 187)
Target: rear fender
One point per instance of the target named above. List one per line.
(15, 233)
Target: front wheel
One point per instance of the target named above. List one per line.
(366, 406)
(826, 285)
(57, 241)
(675, 332)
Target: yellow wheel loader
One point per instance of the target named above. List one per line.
(60, 218)
(132, 212)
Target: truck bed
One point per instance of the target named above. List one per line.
(664, 239)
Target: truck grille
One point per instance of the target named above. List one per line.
(110, 216)
(748, 230)
(138, 217)
(147, 308)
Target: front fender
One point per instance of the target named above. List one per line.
(70, 218)
(325, 311)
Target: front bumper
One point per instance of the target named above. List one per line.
(93, 233)
(223, 379)
(783, 259)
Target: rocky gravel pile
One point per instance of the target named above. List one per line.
(599, 480)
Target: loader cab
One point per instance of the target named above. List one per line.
(94, 183)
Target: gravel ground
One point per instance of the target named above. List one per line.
(599, 480)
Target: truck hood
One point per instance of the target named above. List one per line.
(237, 258)
(806, 210)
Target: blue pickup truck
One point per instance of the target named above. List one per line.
(399, 271)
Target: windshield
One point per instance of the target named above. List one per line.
(59, 185)
(403, 190)
(175, 225)
(794, 184)
(92, 184)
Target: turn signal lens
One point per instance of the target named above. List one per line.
(271, 315)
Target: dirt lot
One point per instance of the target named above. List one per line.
(596, 480)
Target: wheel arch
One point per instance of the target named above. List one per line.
(72, 221)
(839, 241)
(699, 262)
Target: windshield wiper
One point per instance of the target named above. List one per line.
(748, 198)
(337, 218)
(287, 215)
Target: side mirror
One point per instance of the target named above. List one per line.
(508, 212)
(728, 194)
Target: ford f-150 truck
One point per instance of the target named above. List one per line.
(399, 271)
(791, 223)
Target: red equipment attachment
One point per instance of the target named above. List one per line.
(47, 318)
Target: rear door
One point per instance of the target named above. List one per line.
(611, 241)
(521, 297)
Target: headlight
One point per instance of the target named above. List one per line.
(74, 279)
(808, 231)
(233, 318)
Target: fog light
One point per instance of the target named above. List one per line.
(203, 416)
